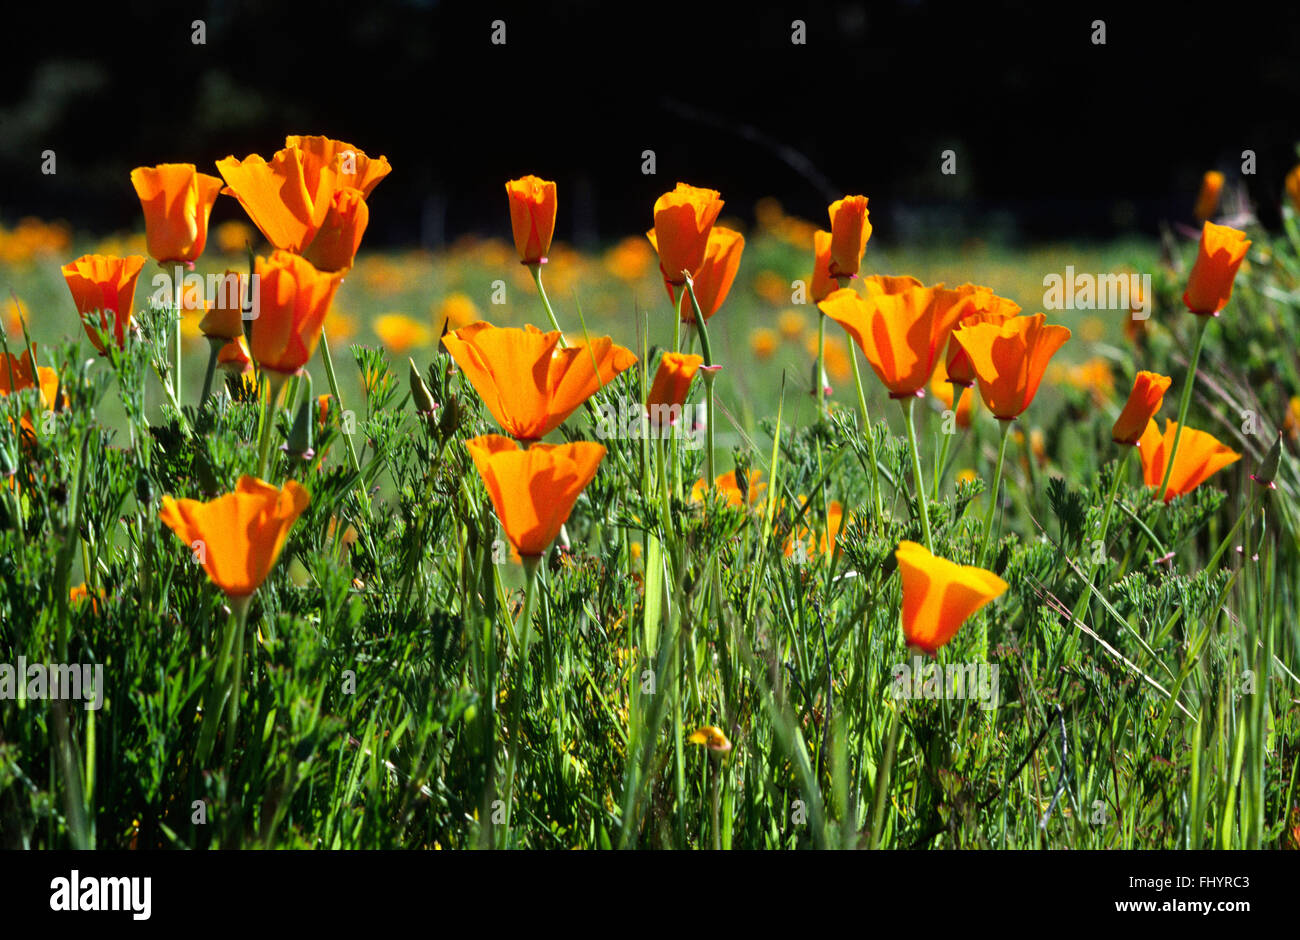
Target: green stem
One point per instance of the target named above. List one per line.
(180, 302)
(918, 476)
(1184, 402)
(882, 779)
(819, 373)
(328, 360)
(993, 494)
(709, 376)
(1082, 603)
(531, 563)
(871, 439)
(239, 610)
(536, 270)
(214, 350)
(274, 385)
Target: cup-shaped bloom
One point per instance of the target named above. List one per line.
(532, 217)
(712, 282)
(1207, 200)
(1200, 455)
(233, 357)
(277, 197)
(1009, 359)
(683, 220)
(1143, 402)
(983, 306)
(1220, 254)
(104, 284)
(293, 299)
(822, 284)
(339, 236)
(673, 380)
(939, 595)
(225, 318)
(534, 490)
(177, 200)
(902, 335)
(528, 382)
(237, 537)
(850, 230)
(350, 165)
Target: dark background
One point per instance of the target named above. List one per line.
(1055, 137)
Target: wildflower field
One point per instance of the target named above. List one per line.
(678, 542)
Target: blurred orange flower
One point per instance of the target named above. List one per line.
(106, 284)
(177, 200)
(1009, 359)
(1220, 254)
(399, 332)
(1199, 456)
(1207, 200)
(728, 486)
(763, 342)
(939, 595)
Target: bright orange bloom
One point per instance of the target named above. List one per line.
(349, 165)
(1009, 359)
(237, 537)
(527, 381)
(277, 197)
(1221, 252)
(1207, 200)
(1143, 402)
(1199, 456)
(532, 216)
(714, 279)
(850, 229)
(336, 243)
(823, 285)
(234, 358)
(938, 595)
(834, 518)
(673, 380)
(177, 201)
(878, 284)
(683, 220)
(293, 300)
(534, 490)
(730, 489)
(902, 335)
(105, 284)
(225, 318)
(16, 374)
(711, 737)
(984, 306)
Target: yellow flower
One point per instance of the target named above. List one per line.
(399, 332)
(710, 737)
(455, 310)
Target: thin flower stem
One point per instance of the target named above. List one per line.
(820, 370)
(239, 610)
(1184, 402)
(709, 375)
(180, 302)
(993, 494)
(1082, 603)
(274, 385)
(882, 779)
(918, 476)
(213, 352)
(536, 270)
(871, 439)
(328, 360)
(531, 563)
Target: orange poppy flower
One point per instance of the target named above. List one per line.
(237, 537)
(336, 242)
(673, 380)
(225, 318)
(850, 230)
(105, 284)
(1207, 200)
(293, 300)
(823, 285)
(534, 490)
(532, 217)
(902, 335)
(16, 374)
(730, 489)
(939, 595)
(177, 201)
(1009, 359)
(878, 284)
(527, 381)
(714, 278)
(1220, 254)
(349, 165)
(984, 307)
(1143, 402)
(1199, 456)
(277, 197)
(234, 358)
(683, 220)
(835, 520)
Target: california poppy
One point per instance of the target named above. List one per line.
(1220, 254)
(877, 284)
(335, 245)
(902, 335)
(277, 197)
(16, 375)
(1200, 455)
(233, 357)
(711, 737)
(105, 284)
(237, 537)
(939, 595)
(683, 220)
(225, 318)
(713, 280)
(349, 165)
(1143, 402)
(729, 487)
(850, 230)
(983, 306)
(1207, 200)
(672, 380)
(177, 200)
(1009, 359)
(532, 217)
(823, 285)
(527, 381)
(533, 490)
(293, 301)
(826, 541)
